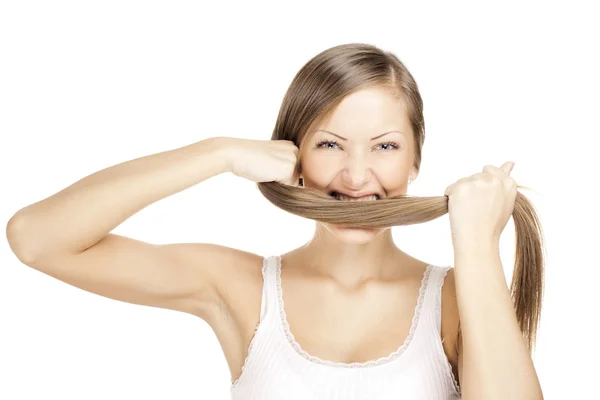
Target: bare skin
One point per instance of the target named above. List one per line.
(393, 298)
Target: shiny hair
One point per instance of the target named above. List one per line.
(320, 85)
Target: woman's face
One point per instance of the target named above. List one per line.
(365, 146)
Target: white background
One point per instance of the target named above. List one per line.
(86, 85)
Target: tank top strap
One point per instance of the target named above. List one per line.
(433, 296)
(269, 272)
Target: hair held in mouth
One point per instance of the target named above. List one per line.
(318, 87)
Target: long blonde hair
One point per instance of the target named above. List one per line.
(319, 86)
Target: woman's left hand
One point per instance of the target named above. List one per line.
(480, 205)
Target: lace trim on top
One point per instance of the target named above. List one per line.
(438, 313)
(385, 359)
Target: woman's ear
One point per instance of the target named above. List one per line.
(413, 174)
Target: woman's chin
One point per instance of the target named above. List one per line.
(354, 235)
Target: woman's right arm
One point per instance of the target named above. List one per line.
(67, 235)
(78, 216)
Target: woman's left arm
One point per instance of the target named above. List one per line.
(494, 362)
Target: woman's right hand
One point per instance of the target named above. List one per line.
(265, 160)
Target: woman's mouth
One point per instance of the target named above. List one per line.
(341, 197)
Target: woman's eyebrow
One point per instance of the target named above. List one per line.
(343, 138)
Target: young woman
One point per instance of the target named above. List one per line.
(349, 315)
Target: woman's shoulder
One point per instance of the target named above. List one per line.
(243, 268)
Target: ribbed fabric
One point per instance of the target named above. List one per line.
(277, 368)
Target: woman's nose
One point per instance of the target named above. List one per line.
(357, 171)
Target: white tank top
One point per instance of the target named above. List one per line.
(277, 368)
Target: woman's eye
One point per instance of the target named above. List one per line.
(390, 144)
(333, 142)
(321, 143)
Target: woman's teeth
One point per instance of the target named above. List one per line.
(341, 197)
